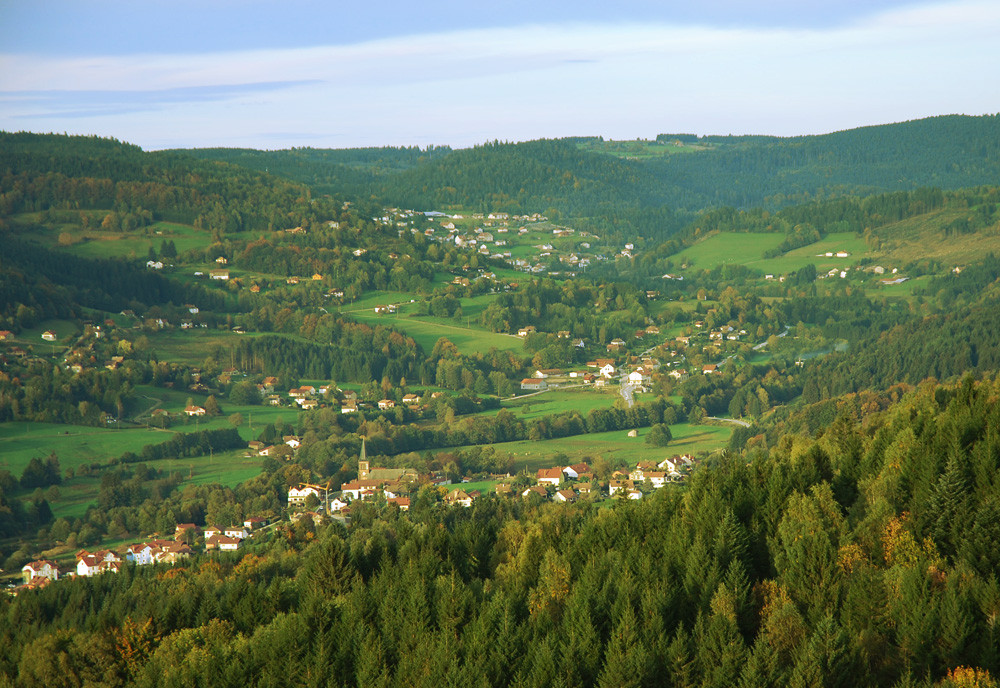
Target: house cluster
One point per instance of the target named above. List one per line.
(287, 448)
(157, 551)
(567, 484)
(229, 539)
(392, 484)
(650, 473)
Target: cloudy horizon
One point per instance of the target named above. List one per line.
(622, 78)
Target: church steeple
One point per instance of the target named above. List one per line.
(363, 467)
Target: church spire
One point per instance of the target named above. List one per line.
(363, 462)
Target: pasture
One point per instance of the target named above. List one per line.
(427, 329)
(615, 446)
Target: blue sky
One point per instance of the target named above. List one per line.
(313, 73)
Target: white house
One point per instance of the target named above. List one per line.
(298, 495)
(550, 476)
(43, 568)
(240, 532)
(459, 497)
(607, 370)
(97, 562)
(564, 496)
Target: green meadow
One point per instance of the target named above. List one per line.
(427, 329)
(73, 444)
(615, 446)
(77, 446)
(748, 249)
(561, 400)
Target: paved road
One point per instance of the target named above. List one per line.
(626, 391)
(734, 421)
(758, 347)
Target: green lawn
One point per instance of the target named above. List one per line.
(174, 401)
(484, 486)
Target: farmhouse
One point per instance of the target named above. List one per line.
(218, 274)
(49, 336)
(402, 503)
(568, 496)
(550, 476)
(458, 497)
(42, 568)
(223, 543)
(533, 384)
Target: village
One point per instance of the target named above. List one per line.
(42, 572)
(560, 484)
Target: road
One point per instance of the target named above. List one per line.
(734, 421)
(758, 347)
(626, 391)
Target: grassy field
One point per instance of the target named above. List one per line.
(73, 444)
(174, 401)
(77, 445)
(426, 330)
(64, 329)
(226, 468)
(561, 400)
(728, 248)
(919, 237)
(638, 149)
(902, 290)
(194, 345)
(614, 446)
(94, 242)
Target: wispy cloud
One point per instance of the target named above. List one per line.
(621, 80)
(91, 103)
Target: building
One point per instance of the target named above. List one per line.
(550, 476)
(92, 564)
(533, 384)
(42, 568)
(297, 495)
(458, 497)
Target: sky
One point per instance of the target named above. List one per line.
(271, 75)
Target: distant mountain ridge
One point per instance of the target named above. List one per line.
(949, 152)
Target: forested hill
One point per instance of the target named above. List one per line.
(49, 172)
(352, 171)
(655, 193)
(948, 152)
